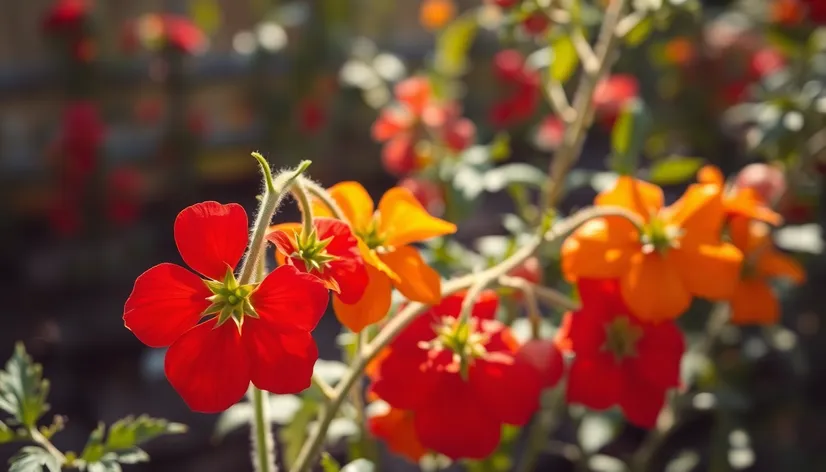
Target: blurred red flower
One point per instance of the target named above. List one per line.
(524, 86)
(81, 136)
(124, 188)
(65, 16)
(259, 333)
(611, 95)
(619, 360)
(155, 31)
(450, 376)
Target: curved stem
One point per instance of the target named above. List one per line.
(44, 442)
(262, 439)
(300, 194)
(324, 196)
(561, 229)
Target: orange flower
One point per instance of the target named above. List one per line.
(677, 254)
(741, 201)
(397, 430)
(385, 238)
(753, 301)
(434, 14)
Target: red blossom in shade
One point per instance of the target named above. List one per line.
(156, 30)
(451, 377)
(816, 11)
(332, 254)
(259, 333)
(81, 137)
(611, 95)
(549, 133)
(765, 62)
(124, 189)
(397, 429)
(619, 360)
(536, 23)
(311, 116)
(524, 85)
(66, 16)
(402, 125)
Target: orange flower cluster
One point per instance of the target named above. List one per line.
(710, 243)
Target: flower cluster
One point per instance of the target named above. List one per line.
(158, 31)
(523, 86)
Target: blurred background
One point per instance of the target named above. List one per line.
(115, 114)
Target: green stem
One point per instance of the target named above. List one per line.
(262, 439)
(561, 229)
(43, 441)
(324, 196)
(300, 194)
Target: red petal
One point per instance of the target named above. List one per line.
(641, 403)
(283, 241)
(166, 301)
(455, 423)
(595, 382)
(659, 352)
(348, 270)
(290, 299)
(545, 357)
(209, 367)
(420, 329)
(485, 307)
(212, 237)
(280, 362)
(514, 404)
(403, 380)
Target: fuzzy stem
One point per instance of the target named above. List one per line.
(300, 194)
(560, 230)
(43, 441)
(262, 438)
(324, 196)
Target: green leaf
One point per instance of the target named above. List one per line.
(34, 459)
(565, 59)
(328, 464)
(675, 170)
(500, 147)
(23, 390)
(292, 435)
(640, 32)
(629, 135)
(122, 441)
(6, 434)
(453, 45)
(500, 177)
(359, 465)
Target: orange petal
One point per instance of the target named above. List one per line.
(354, 202)
(747, 202)
(699, 213)
(417, 281)
(643, 198)
(288, 228)
(371, 258)
(372, 369)
(396, 428)
(773, 263)
(709, 271)
(653, 289)
(711, 175)
(753, 302)
(404, 220)
(597, 250)
(373, 306)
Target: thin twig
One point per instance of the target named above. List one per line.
(544, 294)
(559, 101)
(590, 62)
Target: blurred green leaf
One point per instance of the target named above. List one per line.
(122, 441)
(34, 459)
(292, 435)
(640, 32)
(565, 59)
(629, 135)
(359, 465)
(328, 464)
(498, 178)
(6, 434)
(500, 148)
(453, 45)
(675, 170)
(23, 390)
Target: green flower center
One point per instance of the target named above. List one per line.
(657, 236)
(371, 235)
(230, 300)
(313, 251)
(621, 338)
(465, 340)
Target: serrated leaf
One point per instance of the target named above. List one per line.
(23, 390)
(6, 434)
(34, 459)
(565, 59)
(500, 177)
(104, 451)
(328, 464)
(675, 170)
(629, 135)
(130, 456)
(359, 465)
(640, 32)
(453, 45)
(94, 449)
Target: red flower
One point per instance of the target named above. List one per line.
(536, 23)
(259, 333)
(312, 116)
(398, 430)
(765, 62)
(124, 187)
(65, 16)
(611, 95)
(619, 359)
(520, 104)
(332, 254)
(174, 31)
(817, 11)
(82, 135)
(549, 133)
(451, 378)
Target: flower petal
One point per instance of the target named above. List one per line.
(653, 289)
(403, 379)
(641, 403)
(643, 198)
(485, 307)
(594, 381)
(546, 358)
(754, 303)
(699, 213)
(371, 307)
(290, 299)
(599, 249)
(282, 236)
(515, 404)
(347, 270)
(455, 423)
(281, 362)
(208, 367)
(709, 271)
(404, 220)
(659, 353)
(396, 428)
(212, 237)
(167, 300)
(747, 202)
(354, 201)
(773, 263)
(417, 280)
